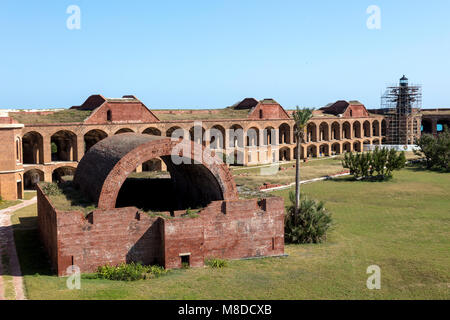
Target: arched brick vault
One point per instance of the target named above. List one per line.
(104, 169)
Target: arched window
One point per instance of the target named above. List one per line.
(109, 115)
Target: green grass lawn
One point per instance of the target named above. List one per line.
(6, 203)
(402, 225)
(255, 177)
(28, 195)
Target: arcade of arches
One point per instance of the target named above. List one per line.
(254, 143)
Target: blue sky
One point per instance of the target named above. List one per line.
(210, 54)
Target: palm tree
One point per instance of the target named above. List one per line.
(301, 118)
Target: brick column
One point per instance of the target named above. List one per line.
(80, 148)
(47, 149)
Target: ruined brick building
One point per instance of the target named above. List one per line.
(225, 226)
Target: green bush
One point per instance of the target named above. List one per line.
(435, 150)
(130, 272)
(378, 164)
(310, 225)
(54, 147)
(216, 263)
(51, 189)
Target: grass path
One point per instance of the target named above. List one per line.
(11, 280)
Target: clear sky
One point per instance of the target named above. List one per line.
(212, 53)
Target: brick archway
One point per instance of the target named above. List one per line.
(106, 166)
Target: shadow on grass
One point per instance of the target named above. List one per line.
(32, 256)
(353, 179)
(418, 167)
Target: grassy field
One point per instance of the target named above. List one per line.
(402, 225)
(315, 168)
(255, 177)
(27, 196)
(6, 203)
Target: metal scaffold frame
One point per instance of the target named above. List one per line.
(402, 103)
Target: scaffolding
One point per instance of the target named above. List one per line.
(402, 104)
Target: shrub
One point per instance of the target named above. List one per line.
(51, 189)
(216, 263)
(310, 225)
(54, 147)
(435, 150)
(130, 272)
(378, 164)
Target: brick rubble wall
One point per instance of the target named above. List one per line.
(231, 229)
(47, 227)
(227, 229)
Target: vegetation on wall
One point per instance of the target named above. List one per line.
(310, 224)
(435, 150)
(62, 116)
(378, 164)
(66, 197)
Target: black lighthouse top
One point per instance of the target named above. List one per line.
(404, 81)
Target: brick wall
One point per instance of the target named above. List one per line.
(102, 237)
(268, 111)
(208, 111)
(226, 229)
(47, 227)
(356, 111)
(11, 168)
(122, 112)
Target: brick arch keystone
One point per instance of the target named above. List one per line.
(106, 166)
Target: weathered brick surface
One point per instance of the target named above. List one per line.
(230, 229)
(48, 229)
(103, 237)
(11, 168)
(357, 111)
(268, 111)
(227, 228)
(122, 113)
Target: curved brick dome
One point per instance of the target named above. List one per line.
(105, 167)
